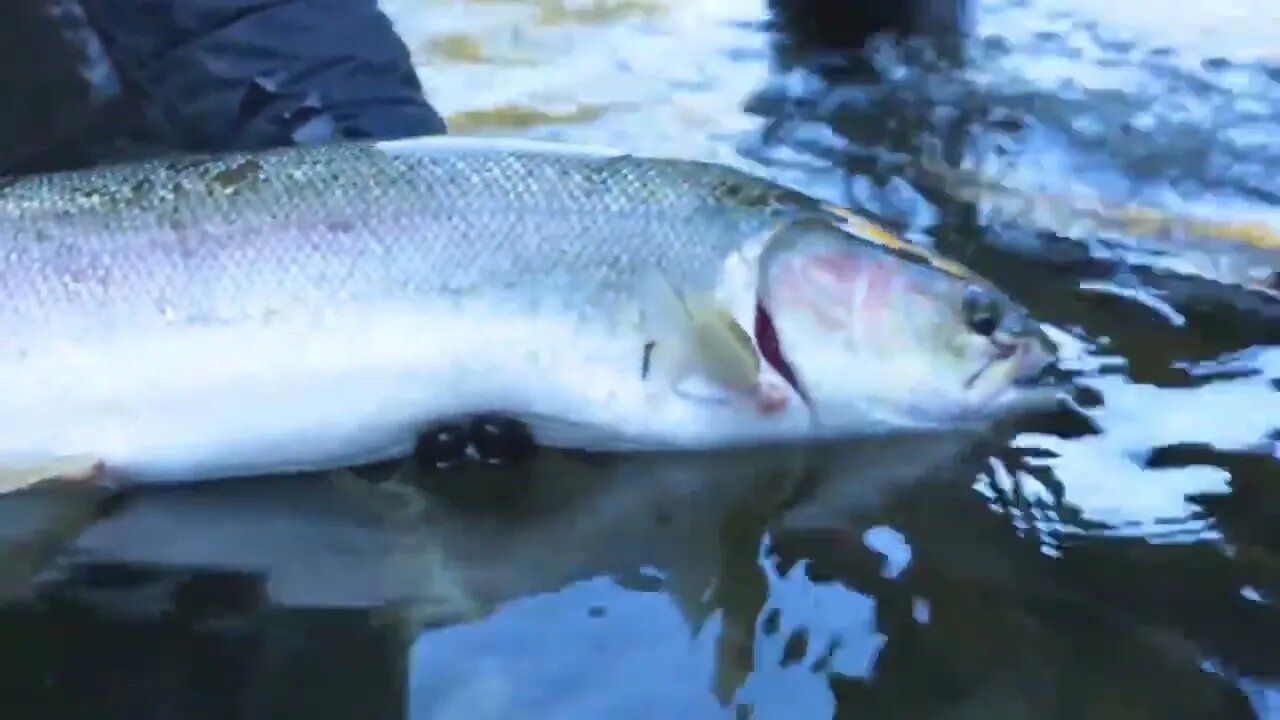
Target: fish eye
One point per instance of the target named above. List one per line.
(982, 311)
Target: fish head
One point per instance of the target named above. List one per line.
(870, 333)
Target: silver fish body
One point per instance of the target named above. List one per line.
(305, 308)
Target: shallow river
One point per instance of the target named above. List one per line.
(1122, 561)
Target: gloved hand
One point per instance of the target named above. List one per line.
(208, 75)
(253, 73)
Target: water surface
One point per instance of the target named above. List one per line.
(1118, 563)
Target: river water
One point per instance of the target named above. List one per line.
(1120, 561)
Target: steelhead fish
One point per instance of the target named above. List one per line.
(316, 307)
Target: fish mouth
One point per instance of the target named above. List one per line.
(1021, 375)
(1019, 372)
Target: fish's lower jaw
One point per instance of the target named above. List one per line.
(1014, 386)
(1019, 401)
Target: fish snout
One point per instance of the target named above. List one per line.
(1034, 363)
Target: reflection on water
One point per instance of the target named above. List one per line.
(1118, 562)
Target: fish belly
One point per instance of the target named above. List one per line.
(339, 388)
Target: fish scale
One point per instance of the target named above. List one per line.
(254, 233)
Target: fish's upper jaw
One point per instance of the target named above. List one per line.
(1017, 383)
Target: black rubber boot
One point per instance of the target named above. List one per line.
(501, 440)
(480, 466)
(488, 439)
(442, 447)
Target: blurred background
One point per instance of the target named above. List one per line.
(1112, 166)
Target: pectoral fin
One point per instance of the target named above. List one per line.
(667, 322)
(74, 468)
(728, 354)
(692, 335)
